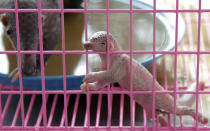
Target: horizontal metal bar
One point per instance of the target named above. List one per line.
(111, 52)
(103, 91)
(113, 128)
(107, 10)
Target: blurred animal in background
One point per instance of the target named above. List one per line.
(142, 80)
(29, 32)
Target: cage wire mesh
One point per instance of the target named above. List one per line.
(112, 108)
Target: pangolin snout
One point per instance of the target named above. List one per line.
(88, 46)
(29, 64)
(29, 70)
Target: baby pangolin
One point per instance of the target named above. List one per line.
(29, 32)
(142, 80)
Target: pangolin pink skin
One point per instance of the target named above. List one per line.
(142, 80)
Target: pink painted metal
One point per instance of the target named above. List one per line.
(19, 61)
(29, 109)
(75, 111)
(110, 10)
(43, 109)
(88, 96)
(175, 63)
(153, 64)
(44, 120)
(114, 90)
(111, 52)
(132, 105)
(64, 116)
(198, 59)
(108, 65)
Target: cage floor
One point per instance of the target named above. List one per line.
(76, 110)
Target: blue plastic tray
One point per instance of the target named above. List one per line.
(51, 82)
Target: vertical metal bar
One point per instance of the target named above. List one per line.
(19, 60)
(17, 111)
(145, 119)
(186, 76)
(190, 35)
(40, 116)
(108, 65)
(44, 111)
(9, 98)
(0, 111)
(181, 121)
(111, 101)
(205, 58)
(87, 116)
(29, 109)
(75, 111)
(175, 62)
(202, 44)
(121, 109)
(201, 102)
(198, 58)
(187, 79)
(169, 120)
(132, 103)
(63, 115)
(153, 65)
(64, 62)
(52, 110)
(98, 109)
(207, 25)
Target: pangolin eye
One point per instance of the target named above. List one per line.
(9, 31)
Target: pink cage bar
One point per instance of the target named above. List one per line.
(69, 100)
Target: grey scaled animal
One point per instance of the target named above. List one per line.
(29, 32)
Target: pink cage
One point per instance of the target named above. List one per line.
(110, 108)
